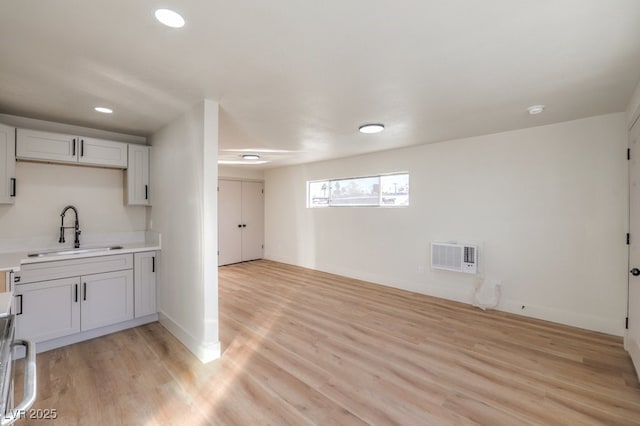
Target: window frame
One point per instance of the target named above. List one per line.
(329, 183)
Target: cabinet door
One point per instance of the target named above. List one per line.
(102, 153)
(144, 283)
(138, 191)
(229, 222)
(252, 220)
(106, 299)
(48, 309)
(45, 146)
(7, 164)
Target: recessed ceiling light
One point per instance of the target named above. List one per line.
(535, 109)
(371, 128)
(250, 157)
(170, 18)
(104, 110)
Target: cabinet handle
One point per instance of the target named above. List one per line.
(153, 264)
(84, 290)
(76, 298)
(240, 225)
(19, 313)
(13, 187)
(81, 147)
(244, 225)
(73, 149)
(146, 192)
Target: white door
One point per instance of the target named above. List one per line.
(229, 222)
(632, 338)
(106, 299)
(252, 220)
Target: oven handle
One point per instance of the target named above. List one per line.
(29, 396)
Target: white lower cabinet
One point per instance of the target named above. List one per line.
(144, 269)
(52, 308)
(106, 299)
(48, 309)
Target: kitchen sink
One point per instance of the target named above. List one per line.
(66, 252)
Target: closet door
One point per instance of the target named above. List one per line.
(252, 220)
(229, 222)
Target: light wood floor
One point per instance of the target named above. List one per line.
(303, 347)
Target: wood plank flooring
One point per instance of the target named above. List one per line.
(304, 347)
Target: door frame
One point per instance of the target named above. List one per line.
(632, 350)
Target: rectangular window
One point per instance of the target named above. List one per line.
(390, 190)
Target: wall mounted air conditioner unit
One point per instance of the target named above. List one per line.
(455, 257)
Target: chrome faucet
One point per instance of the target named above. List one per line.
(76, 226)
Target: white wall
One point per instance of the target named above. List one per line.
(246, 172)
(184, 165)
(633, 110)
(548, 206)
(45, 189)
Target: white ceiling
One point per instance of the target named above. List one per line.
(303, 75)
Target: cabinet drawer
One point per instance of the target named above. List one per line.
(33, 272)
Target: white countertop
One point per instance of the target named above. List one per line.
(12, 261)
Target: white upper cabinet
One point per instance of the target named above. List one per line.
(60, 148)
(138, 190)
(103, 153)
(7, 164)
(45, 146)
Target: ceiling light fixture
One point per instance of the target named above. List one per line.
(371, 128)
(170, 18)
(260, 150)
(535, 109)
(250, 157)
(238, 162)
(104, 110)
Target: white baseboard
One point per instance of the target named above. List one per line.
(464, 293)
(204, 351)
(633, 347)
(574, 319)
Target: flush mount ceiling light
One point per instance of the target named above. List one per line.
(371, 128)
(170, 18)
(535, 109)
(239, 162)
(250, 157)
(262, 150)
(104, 110)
